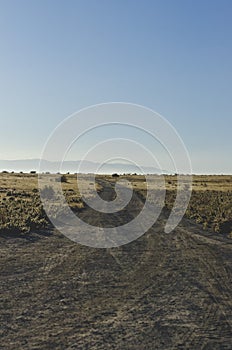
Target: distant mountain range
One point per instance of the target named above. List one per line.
(27, 165)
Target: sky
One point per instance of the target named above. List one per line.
(172, 56)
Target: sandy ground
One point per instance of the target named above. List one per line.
(162, 291)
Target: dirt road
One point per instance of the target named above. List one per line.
(162, 291)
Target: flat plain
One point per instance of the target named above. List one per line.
(161, 291)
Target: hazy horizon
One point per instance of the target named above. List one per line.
(112, 167)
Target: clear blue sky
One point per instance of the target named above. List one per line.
(174, 56)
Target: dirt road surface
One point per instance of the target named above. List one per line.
(162, 291)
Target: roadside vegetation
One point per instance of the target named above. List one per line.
(210, 204)
(21, 210)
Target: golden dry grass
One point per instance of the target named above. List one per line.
(20, 205)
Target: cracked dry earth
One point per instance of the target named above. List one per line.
(162, 291)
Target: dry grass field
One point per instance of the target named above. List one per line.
(21, 209)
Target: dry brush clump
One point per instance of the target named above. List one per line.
(212, 209)
(22, 211)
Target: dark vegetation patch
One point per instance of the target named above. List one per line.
(211, 209)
